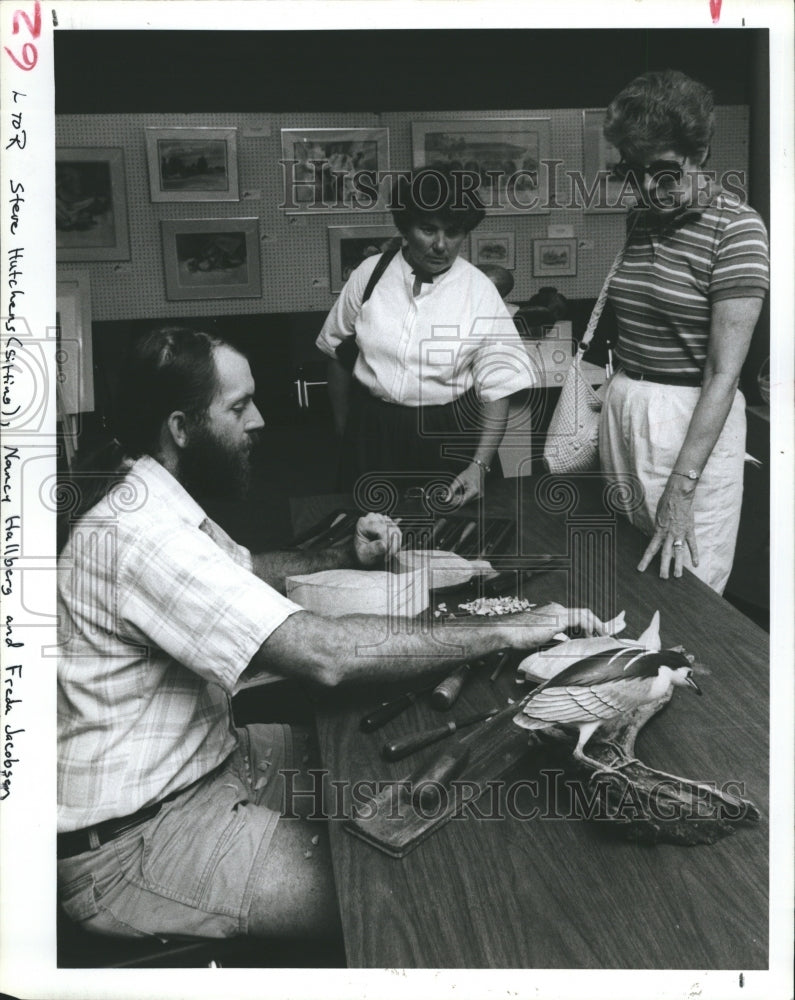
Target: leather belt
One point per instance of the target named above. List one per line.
(91, 837)
(665, 379)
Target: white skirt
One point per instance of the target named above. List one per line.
(641, 432)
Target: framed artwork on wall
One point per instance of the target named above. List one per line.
(192, 164)
(493, 248)
(554, 258)
(74, 384)
(211, 258)
(333, 169)
(90, 204)
(350, 245)
(506, 154)
(602, 192)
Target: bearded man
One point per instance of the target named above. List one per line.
(169, 816)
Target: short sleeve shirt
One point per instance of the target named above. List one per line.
(428, 349)
(159, 614)
(674, 271)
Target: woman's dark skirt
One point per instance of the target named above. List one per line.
(407, 446)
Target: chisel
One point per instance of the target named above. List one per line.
(405, 745)
(423, 786)
(380, 716)
(446, 692)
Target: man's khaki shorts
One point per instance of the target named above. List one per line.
(191, 870)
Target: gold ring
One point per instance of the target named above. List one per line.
(677, 544)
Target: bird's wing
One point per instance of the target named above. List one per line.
(574, 704)
(622, 663)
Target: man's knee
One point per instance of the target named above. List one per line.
(295, 894)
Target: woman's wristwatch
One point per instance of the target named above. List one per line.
(691, 474)
(486, 468)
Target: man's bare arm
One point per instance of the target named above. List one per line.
(376, 538)
(334, 651)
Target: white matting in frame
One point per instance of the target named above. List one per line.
(211, 258)
(508, 155)
(192, 164)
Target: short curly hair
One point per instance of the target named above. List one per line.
(661, 110)
(438, 192)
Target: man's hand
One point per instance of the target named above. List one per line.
(541, 624)
(377, 538)
(673, 528)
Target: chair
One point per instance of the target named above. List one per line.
(79, 949)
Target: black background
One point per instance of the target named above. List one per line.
(100, 72)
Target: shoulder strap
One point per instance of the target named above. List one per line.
(378, 270)
(593, 322)
(348, 350)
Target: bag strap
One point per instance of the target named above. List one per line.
(596, 314)
(378, 270)
(347, 351)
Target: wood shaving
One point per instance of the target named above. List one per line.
(491, 606)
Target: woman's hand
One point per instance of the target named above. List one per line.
(673, 528)
(467, 484)
(376, 539)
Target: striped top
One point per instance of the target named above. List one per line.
(672, 273)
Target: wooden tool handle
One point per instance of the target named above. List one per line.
(424, 785)
(380, 716)
(398, 749)
(444, 694)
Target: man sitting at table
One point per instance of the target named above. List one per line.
(168, 814)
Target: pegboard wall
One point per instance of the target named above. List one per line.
(294, 255)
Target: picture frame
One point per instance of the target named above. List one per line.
(598, 158)
(74, 353)
(334, 169)
(507, 153)
(90, 204)
(493, 248)
(192, 164)
(554, 258)
(211, 258)
(350, 245)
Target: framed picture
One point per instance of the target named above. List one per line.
(349, 245)
(74, 355)
(211, 258)
(506, 154)
(553, 258)
(333, 169)
(90, 204)
(493, 248)
(602, 192)
(192, 164)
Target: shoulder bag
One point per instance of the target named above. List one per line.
(572, 442)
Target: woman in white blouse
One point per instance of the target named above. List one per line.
(438, 354)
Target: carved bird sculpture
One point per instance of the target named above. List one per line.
(602, 688)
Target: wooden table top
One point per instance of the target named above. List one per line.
(552, 892)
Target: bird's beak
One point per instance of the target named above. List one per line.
(694, 686)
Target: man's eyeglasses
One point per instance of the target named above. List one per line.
(662, 173)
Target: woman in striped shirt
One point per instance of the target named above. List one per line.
(687, 295)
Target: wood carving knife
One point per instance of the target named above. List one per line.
(405, 745)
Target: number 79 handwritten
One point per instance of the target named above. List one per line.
(29, 53)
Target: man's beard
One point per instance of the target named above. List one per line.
(208, 467)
